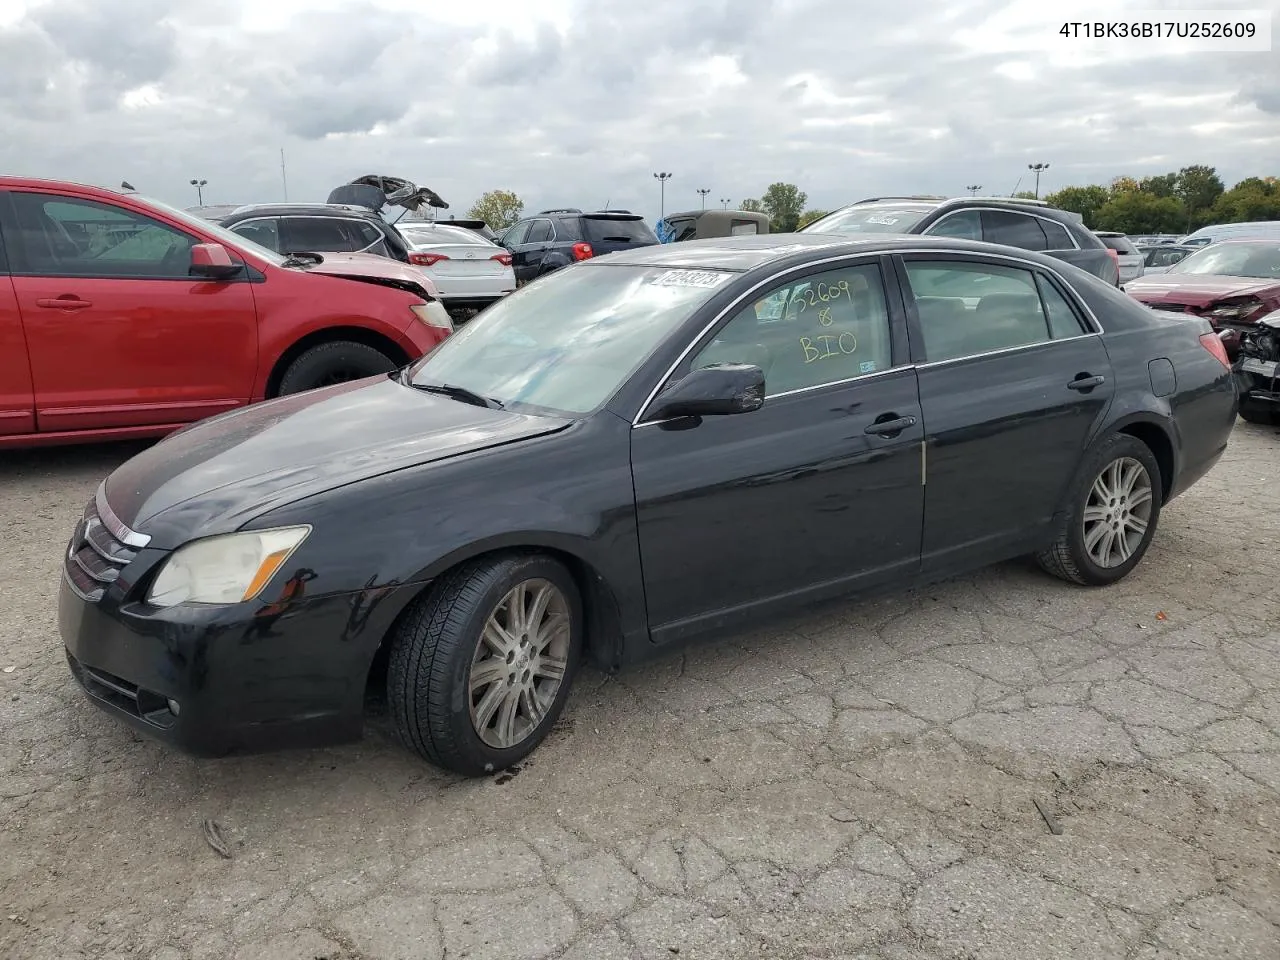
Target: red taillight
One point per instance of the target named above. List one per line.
(426, 259)
(502, 258)
(1213, 343)
(583, 251)
(1115, 258)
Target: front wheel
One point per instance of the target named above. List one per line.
(1110, 516)
(337, 361)
(481, 668)
(1260, 414)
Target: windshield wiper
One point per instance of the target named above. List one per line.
(302, 259)
(459, 393)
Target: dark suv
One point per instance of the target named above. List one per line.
(556, 238)
(1029, 224)
(318, 228)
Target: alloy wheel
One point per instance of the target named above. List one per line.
(519, 663)
(1118, 512)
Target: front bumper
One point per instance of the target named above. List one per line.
(242, 681)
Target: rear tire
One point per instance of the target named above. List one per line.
(472, 685)
(1261, 415)
(338, 361)
(1110, 515)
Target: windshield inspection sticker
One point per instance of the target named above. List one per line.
(689, 278)
(886, 221)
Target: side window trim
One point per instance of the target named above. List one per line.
(1090, 327)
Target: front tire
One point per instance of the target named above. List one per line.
(337, 361)
(1263, 415)
(480, 669)
(1110, 517)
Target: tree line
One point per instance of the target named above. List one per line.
(1166, 203)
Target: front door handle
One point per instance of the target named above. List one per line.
(890, 427)
(1084, 382)
(65, 302)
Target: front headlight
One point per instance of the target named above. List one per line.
(1235, 311)
(433, 314)
(226, 569)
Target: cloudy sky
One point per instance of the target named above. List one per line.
(579, 102)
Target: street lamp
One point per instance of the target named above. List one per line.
(662, 188)
(973, 189)
(1037, 168)
(199, 185)
(702, 192)
(724, 204)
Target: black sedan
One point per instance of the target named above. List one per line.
(642, 448)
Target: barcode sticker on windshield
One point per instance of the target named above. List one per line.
(886, 221)
(690, 278)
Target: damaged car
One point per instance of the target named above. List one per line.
(123, 317)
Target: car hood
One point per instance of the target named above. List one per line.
(375, 269)
(1198, 290)
(218, 474)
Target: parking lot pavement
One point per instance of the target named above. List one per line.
(860, 782)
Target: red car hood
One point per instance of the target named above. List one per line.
(369, 266)
(1199, 290)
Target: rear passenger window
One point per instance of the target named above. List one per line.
(540, 232)
(972, 308)
(1013, 230)
(1056, 235)
(826, 328)
(311, 234)
(1063, 321)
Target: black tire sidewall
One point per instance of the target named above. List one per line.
(476, 754)
(304, 372)
(1113, 448)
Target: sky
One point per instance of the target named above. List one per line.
(579, 102)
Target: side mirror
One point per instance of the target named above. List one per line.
(717, 390)
(213, 262)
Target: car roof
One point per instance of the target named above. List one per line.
(289, 209)
(748, 252)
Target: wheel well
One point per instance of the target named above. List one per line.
(1161, 447)
(328, 335)
(599, 610)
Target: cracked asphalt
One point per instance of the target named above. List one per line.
(857, 783)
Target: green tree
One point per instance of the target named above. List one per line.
(1162, 185)
(498, 208)
(1135, 211)
(751, 205)
(809, 216)
(1124, 185)
(1250, 199)
(1199, 187)
(783, 202)
(1086, 201)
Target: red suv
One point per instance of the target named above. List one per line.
(122, 317)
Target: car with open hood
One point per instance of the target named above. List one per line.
(124, 317)
(668, 442)
(1232, 284)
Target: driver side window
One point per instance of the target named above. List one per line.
(824, 328)
(70, 237)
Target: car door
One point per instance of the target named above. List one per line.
(1014, 380)
(532, 249)
(513, 240)
(118, 332)
(817, 492)
(17, 401)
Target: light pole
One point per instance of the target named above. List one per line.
(199, 185)
(702, 192)
(1037, 168)
(973, 189)
(724, 204)
(662, 188)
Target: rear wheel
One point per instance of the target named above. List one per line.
(481, 668)
(1257, 413)
(335, 362)
(1110, 516)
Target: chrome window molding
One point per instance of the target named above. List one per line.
(1075, 244)
(852, 259)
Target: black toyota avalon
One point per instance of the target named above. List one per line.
(642, 448)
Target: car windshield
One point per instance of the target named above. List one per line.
(1260, 260)
(870, 218)
(565, 343)
(234, 240)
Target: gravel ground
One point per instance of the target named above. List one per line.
(859, 783)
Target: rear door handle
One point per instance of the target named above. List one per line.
(891, 427)
(1084, 382)
(65, 302)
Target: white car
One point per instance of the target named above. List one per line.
(469, 271)
(1129, 260)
